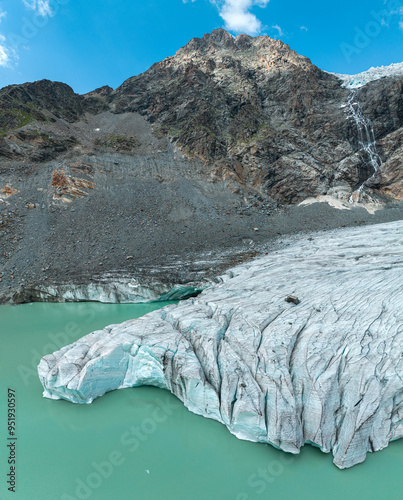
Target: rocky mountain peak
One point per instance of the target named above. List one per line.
(22, 104)
(251, 108)
(104, 91)
(261, 52)
(218, 38)
(42, 93)
(45, 101)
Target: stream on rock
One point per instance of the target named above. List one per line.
(366, 139)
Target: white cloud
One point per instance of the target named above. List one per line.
(41, 7)
(4, 58)
(303, 28)
(401, 25)
(4, 53)
(2, 14)
(237, 16)
(398, 11)
(280, 32)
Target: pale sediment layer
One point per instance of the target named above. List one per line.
(327, 371)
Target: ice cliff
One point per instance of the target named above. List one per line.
(361, 79)
(328, 371)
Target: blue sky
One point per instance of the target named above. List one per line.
(90, 43)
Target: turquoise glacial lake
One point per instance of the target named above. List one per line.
(142, 443)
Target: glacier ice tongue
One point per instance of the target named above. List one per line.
(372, 74)
(328, 371)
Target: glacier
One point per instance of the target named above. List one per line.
(110, 289)
(372, 74)
(327, 371)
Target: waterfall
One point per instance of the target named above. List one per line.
(366, 139)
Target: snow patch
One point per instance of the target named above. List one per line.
(332, 201)
(335, 202)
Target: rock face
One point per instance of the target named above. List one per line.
(266, 116)
(327, 371)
